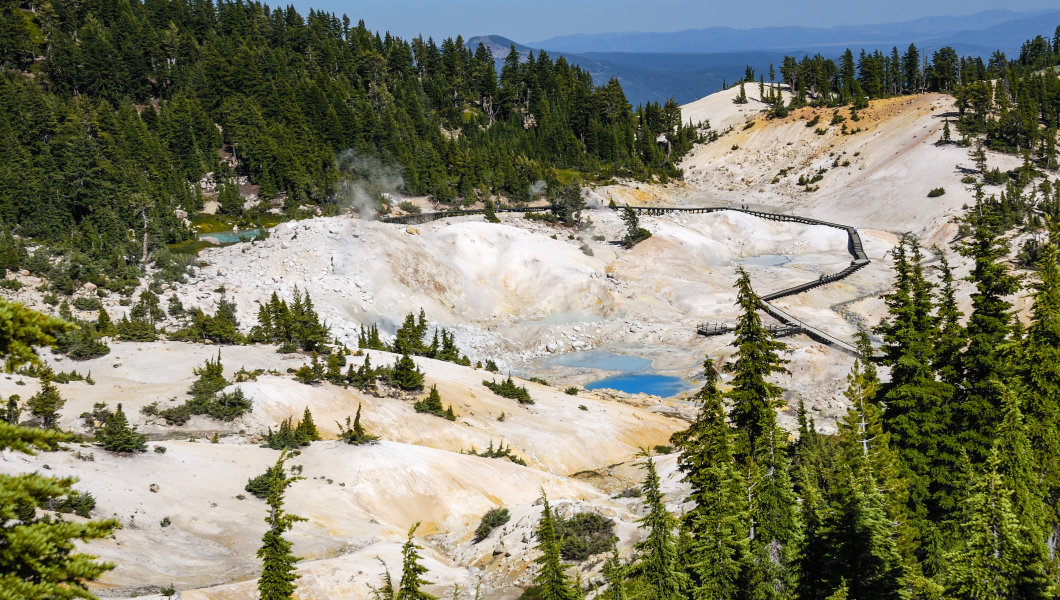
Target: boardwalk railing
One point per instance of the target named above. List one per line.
(418, 218)
(854, 246)
(791, 325)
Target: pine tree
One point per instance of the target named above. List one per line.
(658, 566)
(412, 572)
(978, 408)
(356, 434)
(118, 436)
(307, 429)
(816, 563)
(38, 552)
(992, 559)
(951, 337)
(615, 573)
(774, 522)
(14, 411)
(46, 404)
(717, 526)
(551, 581)
(1020, 474)
(104, 326)
(873, 566)
(1038, 368)
(754, 399)
(916, 402)
(406, 375)
(277, 573)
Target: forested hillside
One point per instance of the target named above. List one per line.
(113, 111)
(1014, 102)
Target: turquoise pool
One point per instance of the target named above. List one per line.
(642, 383)
(635, 374)
(231, 237)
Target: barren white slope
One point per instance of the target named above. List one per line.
(359, 501)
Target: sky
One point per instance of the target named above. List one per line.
(535, 20)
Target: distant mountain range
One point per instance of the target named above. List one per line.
(693, 63)
(649, 77)
(985, 30)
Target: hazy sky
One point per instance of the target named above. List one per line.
(534, 20)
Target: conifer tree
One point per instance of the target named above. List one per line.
(1019, 473)
(118, 436)
(277, 573)
(915, 400)
(978, 408)
(615, 573)
(774, 522)
(412, 571)
(816, 564)
(658, 567)
(104, 326)
(14, 411)
(551, 581)
(950, 340)
(307, 429)
(406, 375)
(873, 565)
(1038, 367)
(754, 399)
(46, 404)
(992, 559)
(716, 553)
(39, 557)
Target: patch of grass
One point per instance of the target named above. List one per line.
(935, 193)
(204, 223)
(189, 246)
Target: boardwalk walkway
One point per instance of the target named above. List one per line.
(790, 324)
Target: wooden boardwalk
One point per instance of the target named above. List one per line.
(790, 325)
(854, 246)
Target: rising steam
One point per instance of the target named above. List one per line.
(364, 182)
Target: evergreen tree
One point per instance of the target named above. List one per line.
(277, 560)
(978, 409)
(873, 566)
(38, 552)
(307, 429)
(1019, 473)
(551, 581)
(104, 325)
(118, 436)
(658, 567)
(951, 336)
(754, 399)
(917, 404)
(14, 411)
(356, 435)
(716, 554)
(412, 571)
(615, 573)
(406, 375)
(993, 559)
(46, 404)
(774, 522)
(1038, 367)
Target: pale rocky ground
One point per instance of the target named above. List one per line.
(519, 292)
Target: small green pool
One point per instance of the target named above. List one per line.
(231, 237)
